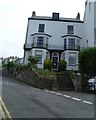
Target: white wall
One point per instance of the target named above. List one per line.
(95, 14)
(27, 54)
(54, 28)
(89, 25)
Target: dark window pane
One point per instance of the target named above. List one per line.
(72, 58)
(71, 43)
(65, 43)
(40, 41)
(41, 28)
(70, 30)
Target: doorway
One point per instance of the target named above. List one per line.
(55, 57)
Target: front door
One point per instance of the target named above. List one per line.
(55, 62)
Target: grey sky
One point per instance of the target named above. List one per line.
(14, 15)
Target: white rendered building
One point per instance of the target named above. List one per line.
(57, 38)
(90, 24)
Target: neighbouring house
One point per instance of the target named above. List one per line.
(9, 59)
(57, 38)
(19, 61)
(1, 61)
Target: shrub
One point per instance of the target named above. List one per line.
(45, 73)
(72, 74)
(32, 61)
(62, 65)
(21, 67)
(10, 65)
(84, 83)
(87, 61)
(47, 64)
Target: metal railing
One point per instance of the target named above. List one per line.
(56, 47)
(72, 47)
(40, 45)
(51, 46)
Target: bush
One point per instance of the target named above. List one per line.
(32, 61)
(84, 83)
(72, 74)
(21, 67)
(62, 65)
(87, 61)
(10, 65)
(47, 64)
(45, 73)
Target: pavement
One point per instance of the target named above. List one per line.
(24, 101)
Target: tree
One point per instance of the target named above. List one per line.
(10, 65)
(87, 61)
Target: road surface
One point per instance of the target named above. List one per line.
(23, 101)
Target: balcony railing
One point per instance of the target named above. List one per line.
(51, 46)
(40, 45)
(55, 47)
(71, 47)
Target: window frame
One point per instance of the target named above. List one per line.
(40, 41)
(70, 29)
(72, 59)
(71, 43)
(89, 7)
(38, 54)
(41, 28)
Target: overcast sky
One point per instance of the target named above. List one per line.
(14, 17)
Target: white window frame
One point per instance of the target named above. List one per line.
(72, 59)
(38, 53)
(72, 31)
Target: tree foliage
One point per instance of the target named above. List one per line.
(87, 61)
(10, 65)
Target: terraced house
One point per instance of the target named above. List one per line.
(57, 38)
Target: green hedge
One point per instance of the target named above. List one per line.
(87, 61)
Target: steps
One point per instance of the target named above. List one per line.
(64, 82)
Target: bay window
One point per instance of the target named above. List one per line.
(38, 54)
(71, 43)
(72, 58)
(40, 41)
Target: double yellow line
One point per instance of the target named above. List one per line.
(4, 111)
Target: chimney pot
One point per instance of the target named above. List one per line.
(33, 13)
(55, 16)
(78, 16)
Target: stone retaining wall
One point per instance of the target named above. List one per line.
(29, 77)
(32, 78)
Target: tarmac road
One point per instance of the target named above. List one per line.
(24, 101)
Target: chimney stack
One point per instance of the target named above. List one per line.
(33, 13)
(55, 16)
(78, 16)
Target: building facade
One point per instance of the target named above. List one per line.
(58, 38)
